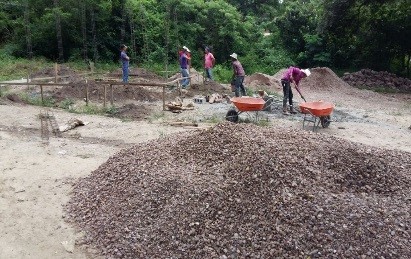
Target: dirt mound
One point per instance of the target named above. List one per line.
(96, 92)
(238, 190)
(259, 81)
(132, 112)
(370, 79)
(63, 70)
(320, 78)
(137, 74)
(323, 78)
(15, 98)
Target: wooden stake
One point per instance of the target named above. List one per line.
(55, 72)
(87, 93)
(41, 93)
(164, 100)
(112, 98)
(105, 95)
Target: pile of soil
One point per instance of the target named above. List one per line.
(323, 78)
(132, 112)
(137, 73)
(320, 78)
(375, 80)
(242, 191)
(96, 92)
(260, 81)
(63, 70)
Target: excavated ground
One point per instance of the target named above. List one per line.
(230, 191)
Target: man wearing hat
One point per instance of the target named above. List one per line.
(124, 62)
(238, 75)
(184, 66)
(292, 75)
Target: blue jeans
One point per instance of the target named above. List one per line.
(209, 73)
(185, 73)
(125, 73)
(239, 87)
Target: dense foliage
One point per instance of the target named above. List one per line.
(267, 35)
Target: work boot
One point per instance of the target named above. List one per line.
(285, 111)
(292, 111)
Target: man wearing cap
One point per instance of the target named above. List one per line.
(238, 75)
(292, 75)
(209, 62)
(184, 66)
(124, 61)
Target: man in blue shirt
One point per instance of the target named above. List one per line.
(184, 65)
(125, 62)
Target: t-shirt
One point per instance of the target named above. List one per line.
(208, 60)
(238, 68)
(124, 58)
(183, 61)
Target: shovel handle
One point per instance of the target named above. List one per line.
(298, 90)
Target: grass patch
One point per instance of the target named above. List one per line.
(156, 116)
(213, 119)
(112, 110)
(66, 104)
(35, 99)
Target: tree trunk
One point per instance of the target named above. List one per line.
(94, 34)
(58, 30)
(123, 20)
(83, 28)
(28, 30)
(133, 40)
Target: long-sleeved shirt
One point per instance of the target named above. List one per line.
(295, 73)
(238, 68)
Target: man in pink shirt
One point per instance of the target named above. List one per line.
(209, 62)
(292, 75)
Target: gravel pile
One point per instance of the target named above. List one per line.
(243, 191)
(367, 78)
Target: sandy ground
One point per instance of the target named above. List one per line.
(35, 178)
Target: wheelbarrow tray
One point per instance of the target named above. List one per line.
(245, 104)
(318, 108)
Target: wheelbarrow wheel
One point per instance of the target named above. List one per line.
(325, 121)
(232, 115)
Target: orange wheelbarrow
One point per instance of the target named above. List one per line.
(318, 112)
(245, 104)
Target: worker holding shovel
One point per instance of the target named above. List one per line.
(292, 75)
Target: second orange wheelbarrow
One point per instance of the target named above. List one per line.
(318, 112)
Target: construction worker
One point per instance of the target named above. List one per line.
(292, 75)
(209, 62)
(184, 60)
(125, 60)
(238, 75)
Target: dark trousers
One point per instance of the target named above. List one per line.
(288, 93)
(239, 87)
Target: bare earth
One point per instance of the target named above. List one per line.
(35, 178)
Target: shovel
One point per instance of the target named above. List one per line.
(298, 90)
